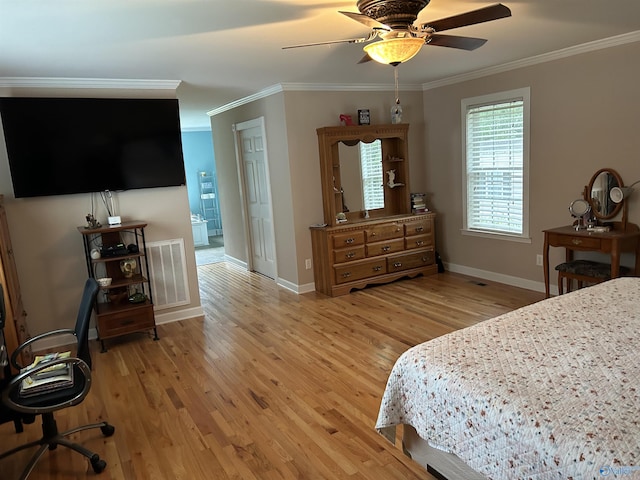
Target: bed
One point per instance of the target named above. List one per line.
(548, 391)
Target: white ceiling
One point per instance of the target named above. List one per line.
(222, 51)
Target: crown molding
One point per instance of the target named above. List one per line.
(618, 40)
(310, 87)
(89, 83)
(373, 87)
(272, 90)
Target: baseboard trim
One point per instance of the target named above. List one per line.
(499, 277)
(295, 288)
(178, 315)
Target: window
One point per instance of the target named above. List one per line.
(371, 171)
(496, 164)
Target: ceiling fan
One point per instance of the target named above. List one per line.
(400, 40)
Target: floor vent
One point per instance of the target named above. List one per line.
(480, 284)
(168, 273)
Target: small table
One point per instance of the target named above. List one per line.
(613, 242)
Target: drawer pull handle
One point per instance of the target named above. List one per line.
(350, 254)
(419, 229)
(386, 248)
(576, 241)
(126, 322)
(350, 240)
(373, 234)
(397, 264)
(377, 268)
(419, 243)
(425, 259)
(346, 274)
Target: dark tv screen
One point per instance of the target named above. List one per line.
(60, 146)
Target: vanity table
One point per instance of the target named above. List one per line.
(621, 237)
(358, 246)
(613, 243)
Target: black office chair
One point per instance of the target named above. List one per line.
(46, 403)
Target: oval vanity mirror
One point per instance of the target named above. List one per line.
(598, 190)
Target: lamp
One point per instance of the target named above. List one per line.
(393, 51)
(618, 194)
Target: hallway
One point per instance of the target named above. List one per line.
(212, 253)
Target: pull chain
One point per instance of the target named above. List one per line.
(396, 108)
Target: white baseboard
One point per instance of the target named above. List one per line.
(295, 288)
(499, 277)
(178, 315)
(186, 314)
(235, 261)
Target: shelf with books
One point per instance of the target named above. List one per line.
(418, 203)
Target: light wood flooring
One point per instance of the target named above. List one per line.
(268, 385)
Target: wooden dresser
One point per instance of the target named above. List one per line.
(378, 251)
(362, 245)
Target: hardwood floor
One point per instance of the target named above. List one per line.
(268, 385)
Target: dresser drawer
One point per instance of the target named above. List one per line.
(383, 248)
(418, 241)
(406, 261)
(342, 240)
(377, 233)
(418, 227)
(348, 254)
(358, 271)
(578, 242)
(126, 321)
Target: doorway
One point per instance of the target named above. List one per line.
(202, 190)
(253, 165)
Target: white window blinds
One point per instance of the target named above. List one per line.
(495, 167)
(371, 171)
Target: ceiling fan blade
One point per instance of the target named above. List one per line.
(485, 14)
(330, 42)
(453, 41)
(365, 59)
(366, 20)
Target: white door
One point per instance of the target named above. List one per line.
(257, 196)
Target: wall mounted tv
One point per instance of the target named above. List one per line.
(60, 146)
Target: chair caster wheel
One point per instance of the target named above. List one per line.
(97, 464)
(107, 430)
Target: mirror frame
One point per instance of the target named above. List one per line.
(589, 188)
(395, 156)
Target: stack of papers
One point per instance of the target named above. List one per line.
(53, 378)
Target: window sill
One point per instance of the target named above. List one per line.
(496, 236)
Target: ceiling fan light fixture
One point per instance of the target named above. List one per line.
(394, 51)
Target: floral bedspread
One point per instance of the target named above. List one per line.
(549, 391)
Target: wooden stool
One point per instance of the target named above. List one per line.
(585, 271)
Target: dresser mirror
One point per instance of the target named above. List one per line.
(597, 193)
(356, 190)
(362, 177)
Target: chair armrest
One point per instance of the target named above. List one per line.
(21, 347)
(13, 388)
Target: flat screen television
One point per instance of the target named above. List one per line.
(60, 146)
